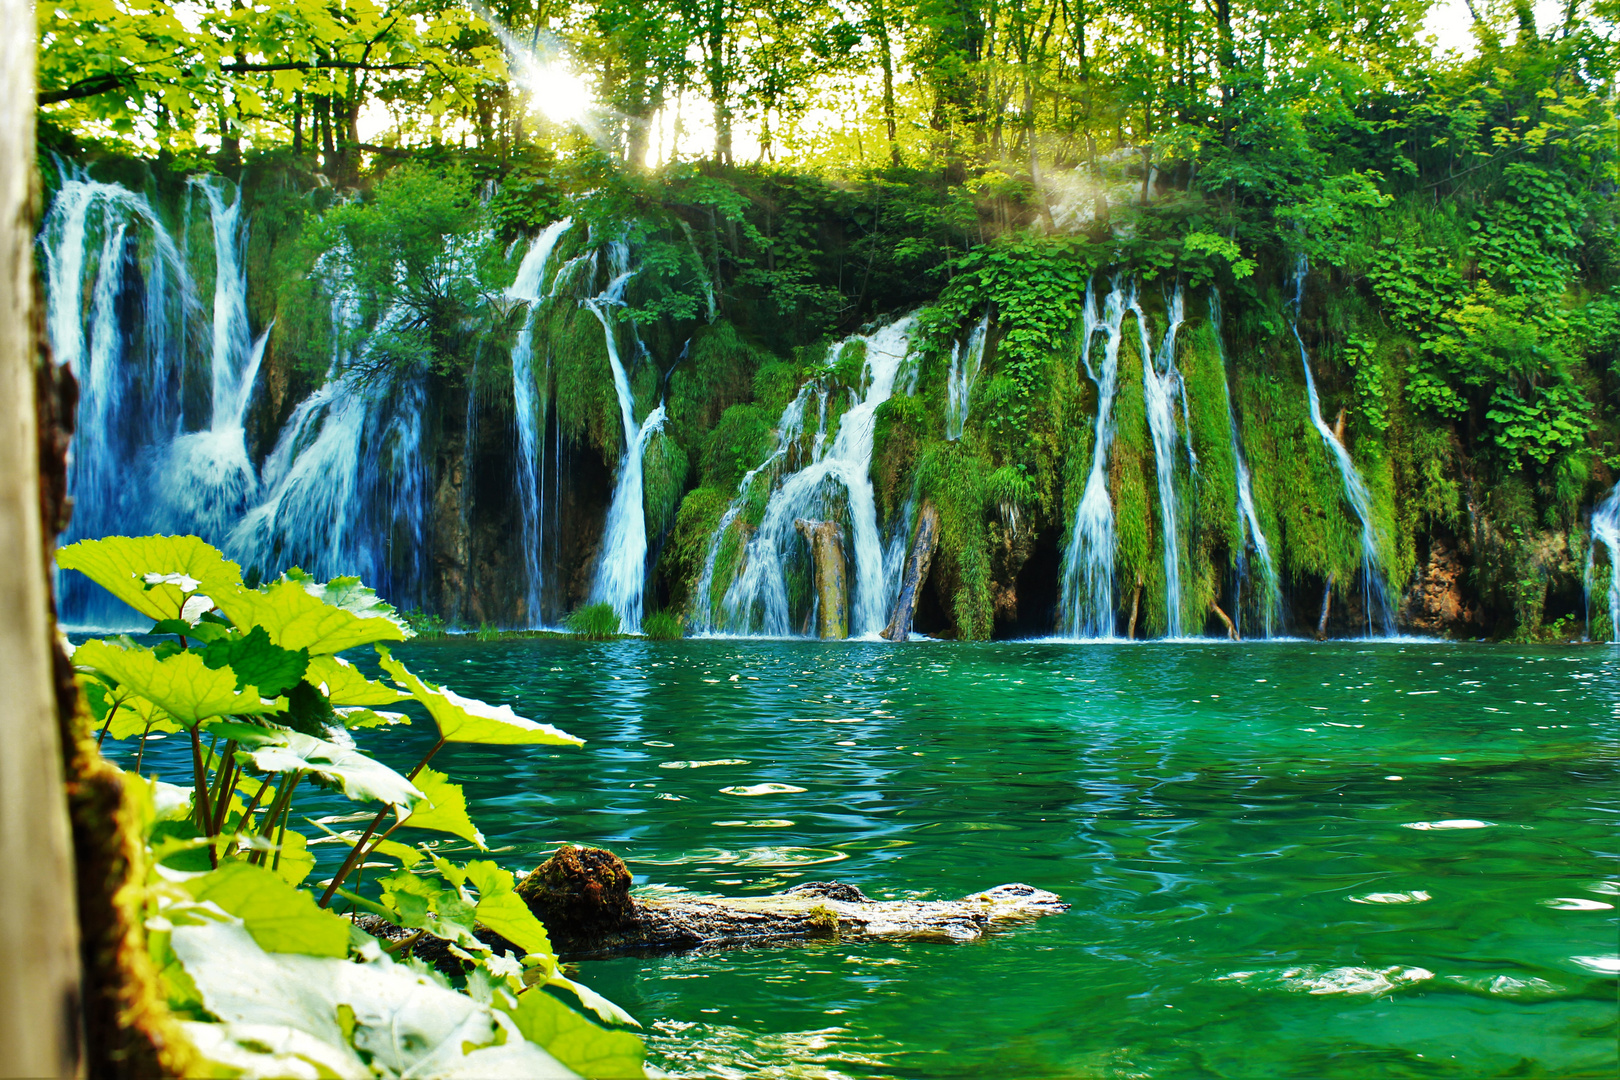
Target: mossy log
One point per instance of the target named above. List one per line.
(917, 564)
(582, 895)
(831, 581)
(583, 898)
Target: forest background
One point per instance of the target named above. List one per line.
(818, 164)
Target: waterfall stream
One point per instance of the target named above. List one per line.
(621, 563)
(529, 404)
(1374, 591)
(1088, 562)
(1270, 601)
(1606, 531)
(1161, 387)
(836, 480)
(964, 372)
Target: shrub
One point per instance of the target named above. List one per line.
(662, 626)
(594, 622)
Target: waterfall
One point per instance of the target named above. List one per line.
(1606, 531)
(1270, 604)
(621, 562)
(128, 349)
(1088, 562)
(788, 430)
(1374, 592)
(344, 491)
(821, 489)
(530, 407)
(1161, 386)
(963, 374)
(208, 481)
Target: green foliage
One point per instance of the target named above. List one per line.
(424, 626)
(741, 440)
(662, 626)
(268, 976)
(664, 471)
(594, 622)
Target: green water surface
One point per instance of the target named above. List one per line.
(1284, 860)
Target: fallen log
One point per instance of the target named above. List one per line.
(832, 590)
(1327, 605)
(916, 575)
(1231, 629)
(582, 895)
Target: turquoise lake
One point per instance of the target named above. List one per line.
(1380, 859)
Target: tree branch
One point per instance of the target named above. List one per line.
(86, 87)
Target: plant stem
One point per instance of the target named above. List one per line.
(107, 724)
(225, 778)
(247, 815)
(140, 751)
(203, 811)
(354, 855)
(283, 798)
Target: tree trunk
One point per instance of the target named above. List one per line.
(1231, 629)
(830, 581)
(922, 556)
(1136, 606)
(40, 1030)
(882, 20)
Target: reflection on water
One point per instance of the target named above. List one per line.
(1337, 860)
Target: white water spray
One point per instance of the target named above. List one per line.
(530, 408)
(1088, 563)
(964, 372)
(758, 598)
(1374, 592)
(1161, 386)
(1606, 531)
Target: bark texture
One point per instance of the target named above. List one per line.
(916, 574)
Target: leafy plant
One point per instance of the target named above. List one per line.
(267, 980)
(662, 626)
(594, 622)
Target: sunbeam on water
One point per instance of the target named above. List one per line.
(1285, 859)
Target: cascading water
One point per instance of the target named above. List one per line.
(1374, 592)
(758, 597)
(1088, 562)
(964, 373)
(128, 349)
(1270, 601)
(621, 565)
(344, 489)
(530, 407)
(208, 481)
(1161, 386)
(1606, 531)
(788, 430)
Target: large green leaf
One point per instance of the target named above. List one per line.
(181, 684)
(257, 662)
(502, 910)
(280, 917)
(177, 566)
(466, 720)
(402, 1022)
(587, 1048)
(137, 716)
(343, 683)
(356, 775)
(299, 613)
(444, 808)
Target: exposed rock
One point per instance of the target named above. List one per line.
(826, 540)
(1438, 599)
(916, 574)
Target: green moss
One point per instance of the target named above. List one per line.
(741, 440)
(719, 371)
(957, 480)
(1133, 486)
(681, 561)
(571, 341)
(662, 626)
(900, 426)
(664, 470)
